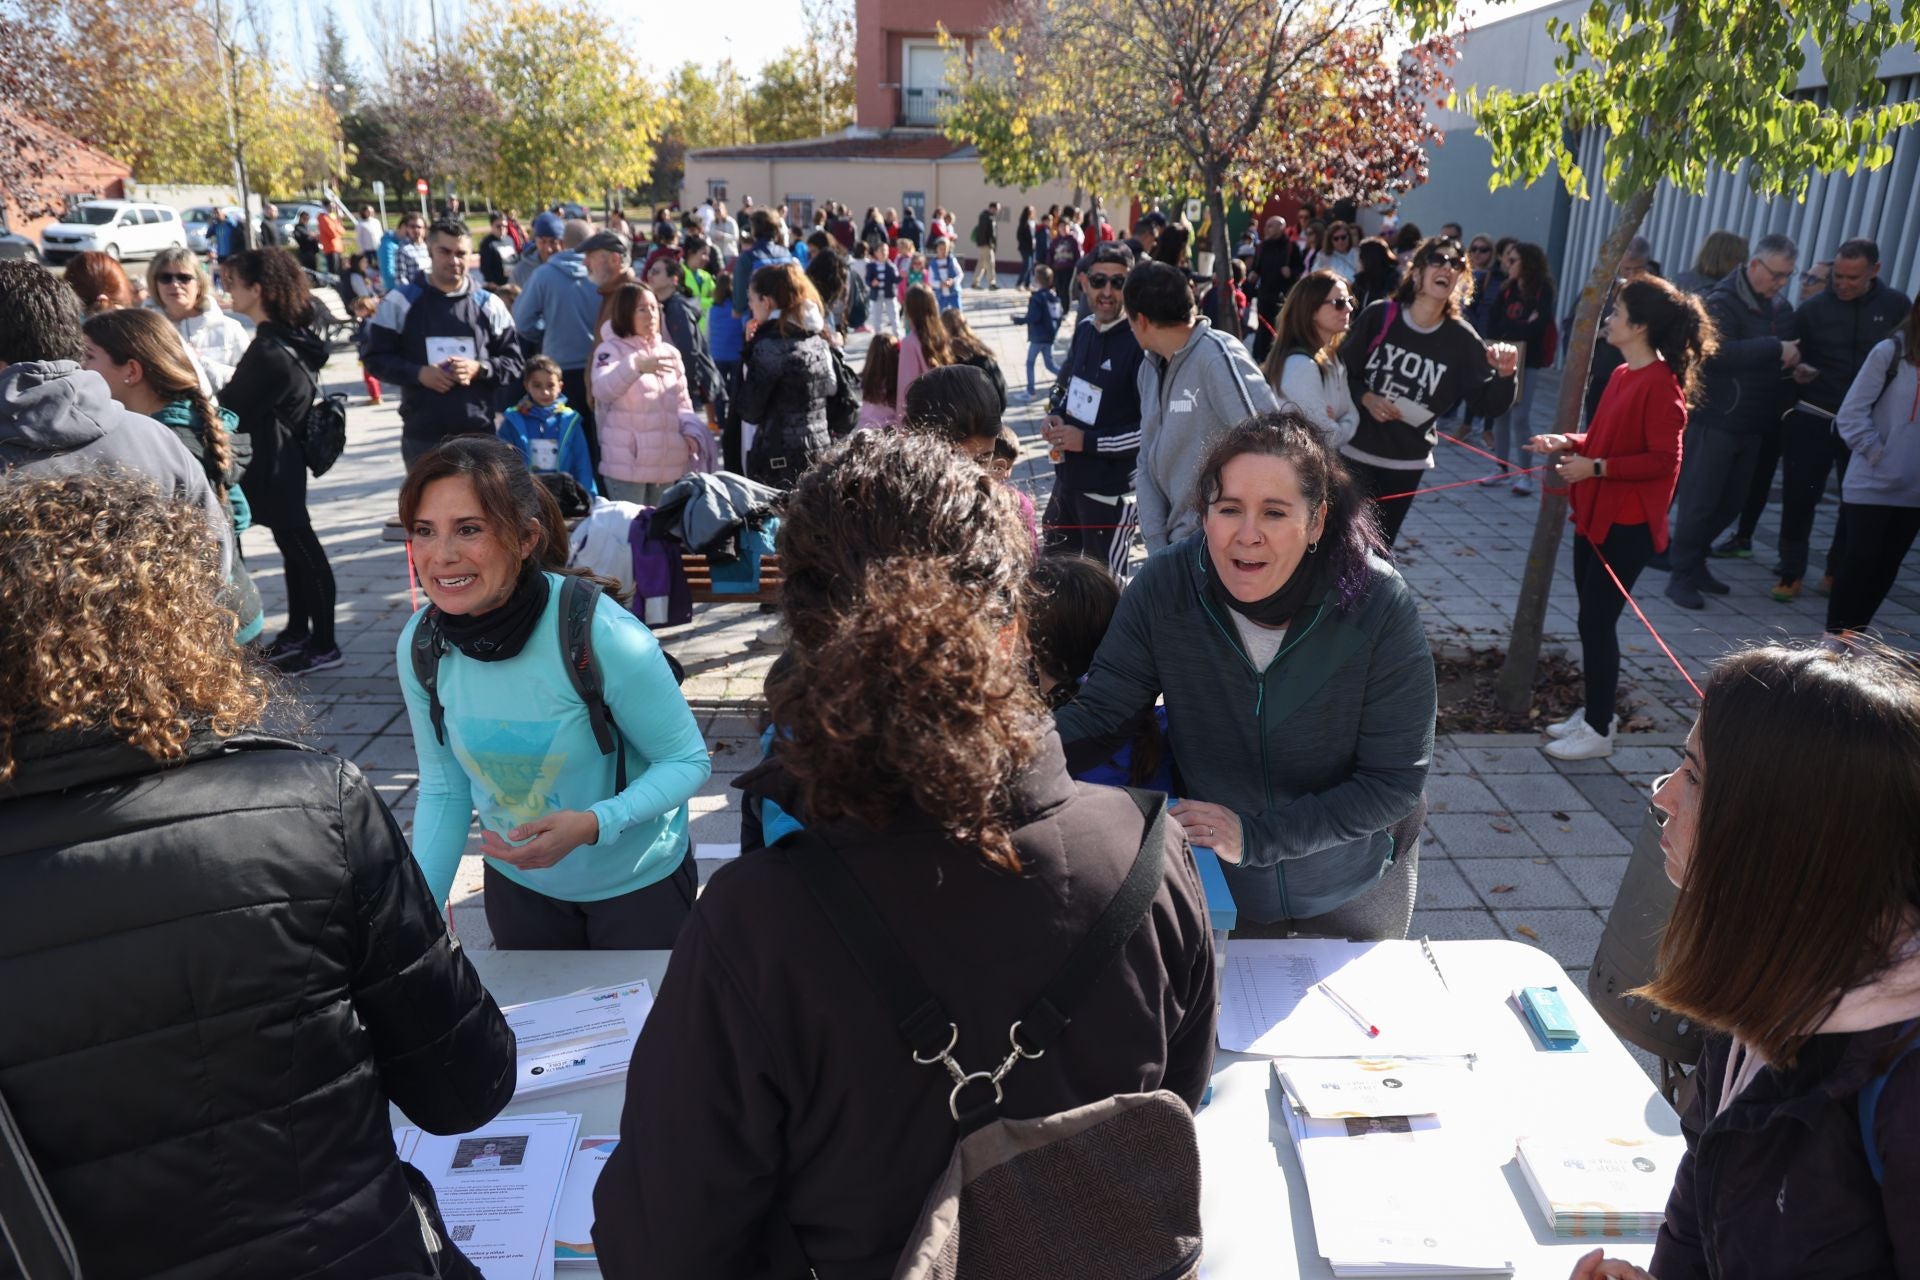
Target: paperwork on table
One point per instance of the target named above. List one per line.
(573, 1221)
(579, 1039)
(1590, 1186)
(1272, 1001)
(498, 1188)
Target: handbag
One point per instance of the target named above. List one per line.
(843, 404)
(30, 1224)
(322, 434)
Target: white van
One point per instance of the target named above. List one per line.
(117, 228)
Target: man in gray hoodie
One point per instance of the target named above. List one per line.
(57, 418)
(1195, 382)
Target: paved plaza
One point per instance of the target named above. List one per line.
(1517, 845)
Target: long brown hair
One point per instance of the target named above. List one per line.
(1804, 869)
(95, 276)
(1910, 335)
(786, 286)
(1297, 330)
(906, 576)
(880, 383)
(923, 317)
(111, 617)
(1424, 254)
(962, 341)
(1535, 275)
(147, 336)
(1678, 327)
(510, 499)
(1721, 253)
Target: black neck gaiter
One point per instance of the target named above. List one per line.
(502, 632)
(1297, 593)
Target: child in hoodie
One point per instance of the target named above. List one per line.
(1043, 323)
(548, 434)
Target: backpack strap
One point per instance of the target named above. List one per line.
(32, 1232)
(1868, 1100)
(578, 599)
(923, 1022)
(426, 648)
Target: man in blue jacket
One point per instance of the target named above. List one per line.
(1093, 424)
(1746, 388)
(449, 344)
(765, 251)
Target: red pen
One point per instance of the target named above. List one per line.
(1349, 1010)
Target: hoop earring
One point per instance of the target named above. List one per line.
(1312, 547)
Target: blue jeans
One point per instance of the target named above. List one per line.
(1040, 351)
(1512, 429)
(1026, 271)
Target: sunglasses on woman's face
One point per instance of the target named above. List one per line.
(1453, 260)
(1339, 304)
(173, 277)
(1481, 248)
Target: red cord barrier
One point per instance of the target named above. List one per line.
(413, 583)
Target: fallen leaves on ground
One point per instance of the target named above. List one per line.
(1560, 817)
(1526, 932)
(1501, 888)
(1503, 828)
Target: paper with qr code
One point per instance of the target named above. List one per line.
(499, 1187)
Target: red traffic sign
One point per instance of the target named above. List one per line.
(420, 185)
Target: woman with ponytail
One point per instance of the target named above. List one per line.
(147, 369)
(1298, 682)
(1623, 469)
(916, 747)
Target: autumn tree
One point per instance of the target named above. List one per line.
(433, 119)
(1232, 98)
(577, 115)
(809, 90)
(703, 109)
(1678, 89)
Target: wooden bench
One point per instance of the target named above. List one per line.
(700, 581)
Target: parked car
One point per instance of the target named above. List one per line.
(290, 212)
(117, 228)
(198, 219)
(16, 247)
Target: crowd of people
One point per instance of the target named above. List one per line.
(964, 679)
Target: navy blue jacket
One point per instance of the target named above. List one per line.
(397, 349)
(1043, 316)
(1745, 387)
(1110, 361)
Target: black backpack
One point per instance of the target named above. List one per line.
(578, 599)
(322, 435)
(843, 403)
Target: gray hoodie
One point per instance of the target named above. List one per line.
(1880, 422)
(1186, 402)
(57, 418)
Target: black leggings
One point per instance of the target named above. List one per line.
(1627, 548)
(1878, 539)
(1374, 481)
(310, 589)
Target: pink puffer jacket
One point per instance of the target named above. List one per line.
(639, 414)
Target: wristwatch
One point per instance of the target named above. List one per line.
(1600, 468)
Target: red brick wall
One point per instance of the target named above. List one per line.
(880, 25)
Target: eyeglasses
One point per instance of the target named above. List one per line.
(1806, 277)
(174, 277)
(1105, 282)
(1777, 275)
(1339, 304)
(1480, 248)
(1453, 260)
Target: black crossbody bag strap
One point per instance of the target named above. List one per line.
(918, 1014)
(29, 1222)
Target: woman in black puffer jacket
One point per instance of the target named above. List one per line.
(220, 962)
(789, 376)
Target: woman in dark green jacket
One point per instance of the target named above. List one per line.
(1298, 683)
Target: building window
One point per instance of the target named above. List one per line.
(800, 213)
(914, 202)
(716, 189)
(925, 90)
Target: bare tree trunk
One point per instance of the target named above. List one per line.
(1514, 691)
(1226, 316)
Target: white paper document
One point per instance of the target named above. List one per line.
(1269, 1003)
(1593, 1185)
(1412, 412)
(441, 350)
(584, 1038)
(1340, 1088)
(498, 1188)
(573, 1221)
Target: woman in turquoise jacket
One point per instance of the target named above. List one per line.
(585, 847)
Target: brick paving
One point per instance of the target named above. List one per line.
(1517, 845)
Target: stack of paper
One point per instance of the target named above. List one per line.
(1273, 1001)
(1599, 1186)
(585, 1038)
(573, 1221)
(1394, 1196)
(1343, 1088)
(498, 1188)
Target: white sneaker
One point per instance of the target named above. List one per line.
(1561, 728)
(1581, 743)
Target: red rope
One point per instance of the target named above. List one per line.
(1635, 606)
(1509, 473)
(413, 585)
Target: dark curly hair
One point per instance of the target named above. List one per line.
(905, 568)
(1352, 533)
(284, 294)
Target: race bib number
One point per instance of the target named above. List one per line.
(546, 454)
(1083, 401)
(441, 350)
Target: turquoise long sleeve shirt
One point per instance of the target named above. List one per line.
(519, 745)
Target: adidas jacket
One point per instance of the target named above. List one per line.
(1209, 385)
(415, 324)
(1108, 360)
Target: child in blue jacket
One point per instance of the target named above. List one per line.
(548, 434)
(1043, 323)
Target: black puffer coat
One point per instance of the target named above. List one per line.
(271, 390)
(216, 976)
(784, 393)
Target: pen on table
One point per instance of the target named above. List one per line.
(1349, 1010)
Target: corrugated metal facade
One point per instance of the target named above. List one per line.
(1884, 205)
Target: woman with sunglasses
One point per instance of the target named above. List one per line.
(1789, 830)
(182, 291)
(1340, 251)
(1411, 360)
(1304, 366)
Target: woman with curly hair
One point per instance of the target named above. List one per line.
(1298, 683)
(916, 747)
(222, 965)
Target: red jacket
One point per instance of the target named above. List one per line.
(1637, 430)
